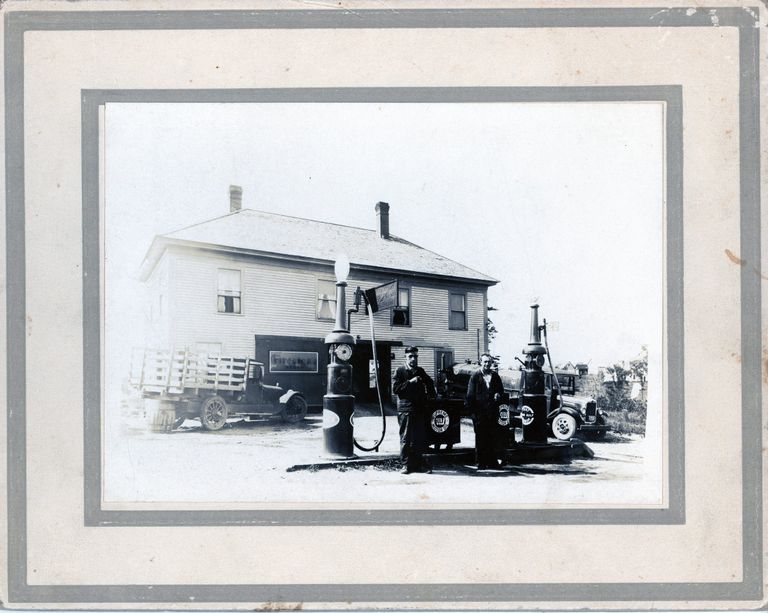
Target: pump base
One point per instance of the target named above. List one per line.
(338, 417)
(555, 451)
(522, 453)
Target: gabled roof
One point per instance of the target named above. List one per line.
(269, 234)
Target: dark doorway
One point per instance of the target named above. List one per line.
(363, 388)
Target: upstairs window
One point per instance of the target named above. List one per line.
(228, 291)
(401, 315)
(458, 312)
(326, 299)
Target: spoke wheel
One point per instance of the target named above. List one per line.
(213, 413)
(563, 426)
(295, 410)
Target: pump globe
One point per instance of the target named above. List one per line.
(341, 267)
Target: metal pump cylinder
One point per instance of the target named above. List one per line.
(533, 399)
(338, 411)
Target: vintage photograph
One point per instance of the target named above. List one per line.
(366, 303)
(348, 306)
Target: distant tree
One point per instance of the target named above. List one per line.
(639, 366)
(489, 325)
(619, 374)
(628, 414)
(614, 387)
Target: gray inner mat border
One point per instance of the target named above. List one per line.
(750, 587)
(671, 95)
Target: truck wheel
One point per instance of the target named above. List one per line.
(563, 426)
(213, 413)
(295, 410)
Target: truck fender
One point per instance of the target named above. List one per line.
(573, 412)
(288, 395)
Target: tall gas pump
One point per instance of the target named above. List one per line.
(533, 400)
(338, 402)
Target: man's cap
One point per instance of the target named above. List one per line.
(411, 350)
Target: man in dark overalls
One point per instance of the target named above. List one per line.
(413, 387)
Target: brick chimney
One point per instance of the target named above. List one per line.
(382, 212)
(235, 198)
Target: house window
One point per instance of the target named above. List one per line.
(458, 314)
(401, 315)
(326, 299)
(228, 291)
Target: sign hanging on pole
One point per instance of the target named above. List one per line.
(382, 297)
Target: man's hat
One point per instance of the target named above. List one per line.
(411, 350)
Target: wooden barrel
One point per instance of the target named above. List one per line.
(160, 414)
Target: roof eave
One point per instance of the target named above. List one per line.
(160, 243)
(152, 257)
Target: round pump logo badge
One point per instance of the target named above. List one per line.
(526, 414)
(503, 415)
(440, 421)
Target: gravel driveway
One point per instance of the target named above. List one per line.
(248, 462)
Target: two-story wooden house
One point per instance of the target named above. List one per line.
(258, 284)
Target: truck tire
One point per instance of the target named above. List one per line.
(563, 426)
(295, 410)
(160, 415)
(213, 413)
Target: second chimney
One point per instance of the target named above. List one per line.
(382, 212)
(235, 198)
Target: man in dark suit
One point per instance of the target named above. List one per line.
(484, 393)
(413, 387)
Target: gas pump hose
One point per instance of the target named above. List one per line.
(552, 366)
(378, 391)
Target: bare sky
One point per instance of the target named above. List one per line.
(563, 203)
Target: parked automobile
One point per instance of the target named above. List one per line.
(576, 413)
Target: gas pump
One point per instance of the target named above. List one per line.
(533, 399)
(338, 403)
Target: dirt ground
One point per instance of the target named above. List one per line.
(248, 462)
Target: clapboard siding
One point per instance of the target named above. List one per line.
(159, 315)
(280, 299)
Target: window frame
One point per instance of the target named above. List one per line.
(451, 311)
(317, 299)
(239, 271)
(410, 310)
